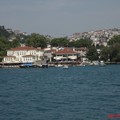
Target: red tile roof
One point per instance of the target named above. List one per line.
(66, 51)
(23, 48)
(81, 49)
(50, 51)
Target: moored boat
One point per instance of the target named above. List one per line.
(65, 67)
(26, 65)
(101, 63)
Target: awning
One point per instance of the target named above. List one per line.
(57, 58)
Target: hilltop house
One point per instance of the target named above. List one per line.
(23, 55)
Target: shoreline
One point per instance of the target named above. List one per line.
(17, 65)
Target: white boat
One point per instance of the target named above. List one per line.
(59, 65)
(65, 67)
(102, 63)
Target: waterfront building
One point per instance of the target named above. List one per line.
(65, 54)
(23, 55)
(49, 54)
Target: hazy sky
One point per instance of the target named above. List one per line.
(59, 17)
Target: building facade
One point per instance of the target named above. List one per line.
(23, 55)
(65, 54)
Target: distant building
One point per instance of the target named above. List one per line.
(23, 55)
(49, 54)
(99, 37)
(65, 54)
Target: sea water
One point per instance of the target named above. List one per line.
(77, 93)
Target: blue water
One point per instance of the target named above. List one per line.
(77, 93)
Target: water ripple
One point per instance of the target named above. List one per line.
(79, 93)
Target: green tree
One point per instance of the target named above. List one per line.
(37, 40)
(72, 44)
(92, 54)
(15, 43)
(59, 42)
(82, 43)
(104, 54)
(114, 49)
(115, 39)
(4, 45)
(115, 53)
(4, 32)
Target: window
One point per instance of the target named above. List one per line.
(65, 55)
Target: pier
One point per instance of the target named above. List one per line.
(10, 65)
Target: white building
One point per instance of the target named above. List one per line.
(23, 55)
(65, 54)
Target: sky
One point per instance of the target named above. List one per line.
(59, 17)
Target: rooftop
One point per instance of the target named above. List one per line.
(65, 51)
